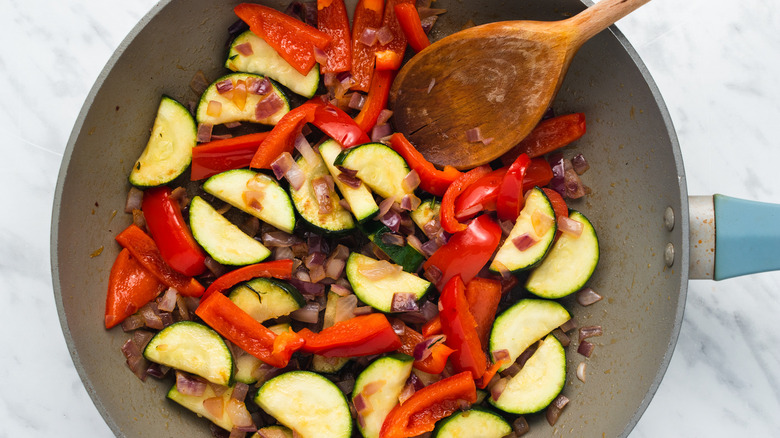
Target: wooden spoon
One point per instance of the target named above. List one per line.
(499, 77)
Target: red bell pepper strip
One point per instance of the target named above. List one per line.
(510, 194)
(410, 23)
(281, 269)
(282, 137)
(459, 326)
(483, 295)
(558, 203)
(432, 180)
(217, 156)
(337, 124)
(291, 38)
(447, 212)
(435, 362)
(332, 20)
(363, 335)
(548, 135)
(491, 371)
(376, 100)
(432, 326)
(237, 326)
(466, 252)
(390, 56)
(130, 287)
(171, 233)
(144, 250)
(420, 412)
(539, 173)
(368, 15)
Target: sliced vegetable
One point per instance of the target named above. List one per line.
(389, 56)
(130, 287)
(367, 18)
(169, 149)
(363, 335)
(377, 389)
(361, 201)
(471, 423)
(510, 193)
(332, 20)
(170, 232)
(246, 98)
(447, 215)
(281, 269)
(338, 125)
(549, 135)
(483, 296)
(378, 292)
(282, 136)
(432, 180)
(409, 20)
(415, 344)
(459, 326)
(267, 298)
(376, 100)
(379, 167)
(218, 156)
(198, 404)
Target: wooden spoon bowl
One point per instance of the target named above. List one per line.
(498, 77)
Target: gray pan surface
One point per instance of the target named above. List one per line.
(636, 173)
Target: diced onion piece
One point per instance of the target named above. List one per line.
(404, 302)
(214, 108)
(384, 35)
(240, 390)
(520, 426)
(294, 175)
(334, 268)
(415, 243)
(432, 273)
(260, 87)
(362, 404)
(474, 135)
(253, 199)
(189, 385)
(384, 207)
(214, 406)
(134, 199)
(562, 337)
(205, 129)
(501, 355)
(590, 331)
(282, 164)
(410, 181)
(368, 37)
(407, 391)
(224, 86)
(384, 116)
(497, 387)
(244, 49)
(268, 106)
(585, 348)
(574, 187)
(322, 195)
(345, 308)
(356, 101)
(580, 164)
(410, 202)
(393, 239)
(307, 152)
(314, 259)
(278, 238)
(555, 408)
(423, 348)
(524, 241)
(581, 371)
(587, 296)
(239, 95)
(570, 226)
(392, 219)
(168, 301)
(309, 313)
(238, 414)
(380, 132)
(569, 325)
(378, 270)
(341, 252)
(487, 141)
(320, 56)
(340, 290)
(199, 83)
(541, 222)
(135, 360)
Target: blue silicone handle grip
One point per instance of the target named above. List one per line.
(747, 237)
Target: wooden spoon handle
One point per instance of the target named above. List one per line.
(600, 16)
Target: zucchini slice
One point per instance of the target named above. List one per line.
(409, 258)
(195, 404)
(277, 209)
(387, 376)
(569, 264)
(276, 431)
(360, 199)
(338, 220)
(215, 108)
(267, 298)
(537, 222)
(322, 364)
(264, 60)
(247, 365)
(223, 240)
(307, 403)
(527, 321)
(168, 152)
(378, 293)
(538, 383)
(427, 211)
(379, 167)
(192, 347)
(475, 422)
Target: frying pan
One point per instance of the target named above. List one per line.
(636, 176)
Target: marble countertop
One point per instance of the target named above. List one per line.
(716, 63)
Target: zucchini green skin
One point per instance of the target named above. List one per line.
(264, 60)
(406, 256)
(266, 298)
(427, 211)
(277, 208)
(360, 199)
(192, 347)
(524, 323)
(322, 364)
(308, 403)
(379, 293)
(380, 167)
(394, 370)
(275, 430)
(339, 221)
(512, 258)
(569, 265)
(538, 383)
(475, 422)
(168, 151)
(222, 239)
(230, 112)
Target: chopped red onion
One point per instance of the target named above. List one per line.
(340, 290)
(384, 207)
(190, 385)
(135, 359)
(349, 180)
(590, 331)
(260, 87)
(430, 85)
(391, 220)
(157, 371)
(474, 135)
(181, 306)
(244, 49)
(224, 86)
(500, 355)
(294, 175)
(341, 252)
(581, 371)
(334, 268)
(345, 308)
(585, 348)
(555, 408)
(569, 325)
(268, 106)
(309, 313)
(314, 259)
(557, 165)
(415, 243)
(199, 83)
(356, 101)
(562, 337)
(204, 132)
(138, 219)
(393, 239)
(316, 243)
(368, 37)
(380, 132)
(240, 391)
(322, 195)
(132, 322)
(168, 301)
(214, 406)
(317, 273)
(135, 197)
(524, 241)
(307, 287)
(151, 316)
(384, 116)
(408, 390)
(488, 140)
(575, 189)
(282, 164)
(520, 426)
(253, 199)
(363, 310)
(428, 22)
(320, 56)
(307, 152)
(404, 302)
(580, 164)
(238, 414)
(432, 273)
(279, 238)
(587, 296)
(411, 181)
(232, 125)
(384, 35)
(362, 404)
(570, 226)
(506, 227)
(497, 387)
(423, 349)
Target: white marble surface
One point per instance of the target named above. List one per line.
(716, 63)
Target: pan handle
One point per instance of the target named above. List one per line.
(731, 237)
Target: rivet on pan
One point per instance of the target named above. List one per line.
(669, 254)
(669, 218)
